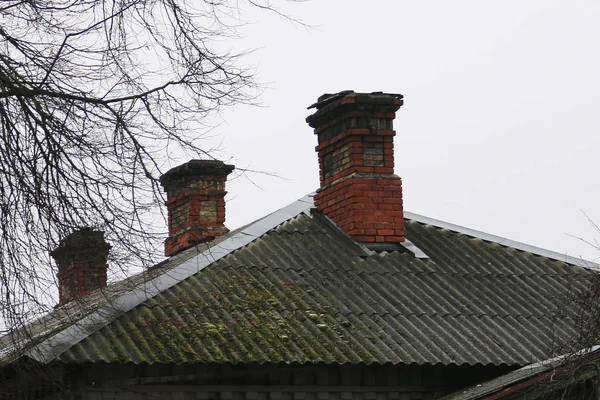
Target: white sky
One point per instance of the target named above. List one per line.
(500, 130)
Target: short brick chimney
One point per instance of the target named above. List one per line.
(195, 203)
(82, 264)
(359, 190)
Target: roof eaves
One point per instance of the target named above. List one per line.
(522, 377)
(503, 241)
(63, 340)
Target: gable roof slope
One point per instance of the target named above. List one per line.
(292, 287)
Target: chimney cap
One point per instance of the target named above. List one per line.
(82, 239)
(197, 168)
(327, 103)
(327, 98)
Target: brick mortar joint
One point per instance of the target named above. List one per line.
(359, 175)
(354, 135)
(326, 123)
(190, 196)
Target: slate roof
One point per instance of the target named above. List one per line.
(293, 288)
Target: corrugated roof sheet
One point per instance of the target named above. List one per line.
(304, 292)
(527, 373)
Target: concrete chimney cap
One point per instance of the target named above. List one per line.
(331, 106)
(84, 238)
(197, 168)
(327, 98)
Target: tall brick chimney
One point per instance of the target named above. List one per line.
(359, 190)
(195, 203)
(82, 263)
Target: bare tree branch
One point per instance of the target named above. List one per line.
(95, 96)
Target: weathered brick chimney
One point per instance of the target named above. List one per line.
(359, 190)
(195, 203)
(82, 264)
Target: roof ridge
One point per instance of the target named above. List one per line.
(298, 231)
(503, 241)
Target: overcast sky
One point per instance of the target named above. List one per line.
(500, 127)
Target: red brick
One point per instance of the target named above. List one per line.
(394, 239)
(355, 231)
(361, 204)
(364, 238)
